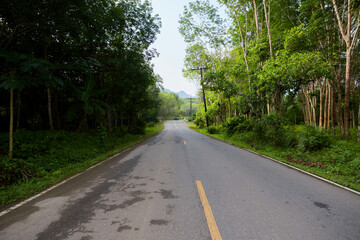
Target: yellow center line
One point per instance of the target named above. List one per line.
(184, 142)
(214, 231)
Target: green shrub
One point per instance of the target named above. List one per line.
(270, 129)
(214, 129)
(138, 127)
(13, 170)
(150, 124)
(237, 124)
(291, 139)
(200, 120)
(313, 139)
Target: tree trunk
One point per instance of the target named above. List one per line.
(326, 107)
(109, 122)
(353, 119)
(303, 111)
(51, 124)
(321, 114)
(243, 46)
(229, 108)
(57, 115)
(358, 132)
(332, 107)
(347, 93)
(350, 38)
(82, 122)
(307, 104)
(340, 119)
(267, 19)
(115, 118)
(11, 127)
(256, 19)
(18, 110)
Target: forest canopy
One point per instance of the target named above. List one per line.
(75, 64)
(298, 60)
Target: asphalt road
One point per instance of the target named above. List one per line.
(150, 192)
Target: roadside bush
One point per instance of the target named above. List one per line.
(137, 128)
(150, 124)
(313, 139)
(200, 120)
(238, 124)
(13, 171)
(270, 129)
(290, 139)
(214, 129)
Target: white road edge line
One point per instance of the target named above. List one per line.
(57, 185)
(307, 173)
(289, 166)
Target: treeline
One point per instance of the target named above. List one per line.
(75, 65)
(171, 106)
(297, 59)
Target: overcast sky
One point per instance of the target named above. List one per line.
(171, 46)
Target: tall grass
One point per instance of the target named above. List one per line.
(44, 158)
(306, 147)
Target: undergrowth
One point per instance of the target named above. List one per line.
(305, 147)
(44, 158)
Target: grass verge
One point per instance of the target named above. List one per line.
(27, 187)
(335, 164)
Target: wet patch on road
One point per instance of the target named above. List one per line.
(167, 194)
(137, 196)
(86, 238)
(131, 202)
(170, 208)
(322, 205)
(123, 228)
(83, 210)
(137, 177)
(160, 222)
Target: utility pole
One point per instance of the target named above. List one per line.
(203, 90)
(190, 106)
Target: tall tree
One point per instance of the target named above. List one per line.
(349, 26)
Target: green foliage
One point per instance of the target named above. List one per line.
(200, 121)
(170, 105)
(45, 157)
(138, 127)
(340, 163)
(313, 139)
(214, 129)
(96, 67)
(270, 129)
(237, 125)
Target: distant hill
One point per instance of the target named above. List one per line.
(181, 94)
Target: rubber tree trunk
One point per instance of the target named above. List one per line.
(267, 20)
(256, 19)
(347, 93)
(51, 124)
(18, 110)
(358, 132)
(11, 128)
